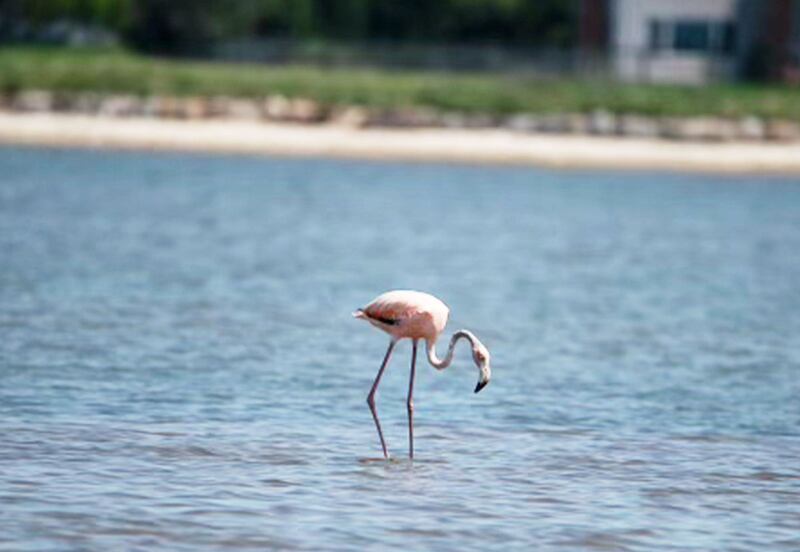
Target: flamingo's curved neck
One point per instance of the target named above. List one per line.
(441, 364)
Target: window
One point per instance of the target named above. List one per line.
(692, 36)
(718, 37)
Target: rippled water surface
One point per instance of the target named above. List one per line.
(179, 369)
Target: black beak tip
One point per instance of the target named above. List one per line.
(481, 385)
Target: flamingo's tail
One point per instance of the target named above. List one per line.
(359, 313)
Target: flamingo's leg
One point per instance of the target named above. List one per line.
(410, 402)
(371, 397)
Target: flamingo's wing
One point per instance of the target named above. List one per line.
(405, 313)
(390, 310)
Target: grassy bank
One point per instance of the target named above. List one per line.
(75, 70)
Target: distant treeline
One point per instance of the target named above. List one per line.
(175, 26)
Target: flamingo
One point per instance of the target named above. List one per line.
(416, 315)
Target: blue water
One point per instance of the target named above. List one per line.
(179, 369)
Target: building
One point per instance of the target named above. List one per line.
(694, 41)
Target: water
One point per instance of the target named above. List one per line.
(179, 369)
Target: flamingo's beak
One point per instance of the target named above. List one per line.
(481, 385)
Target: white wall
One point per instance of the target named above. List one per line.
(630, 24)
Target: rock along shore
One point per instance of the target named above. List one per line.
(279, 109)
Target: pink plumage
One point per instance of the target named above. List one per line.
(406, 314)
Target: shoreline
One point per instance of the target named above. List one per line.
(469, 146)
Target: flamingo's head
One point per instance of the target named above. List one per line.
(480, 354)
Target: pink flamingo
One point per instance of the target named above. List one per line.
(416, 315)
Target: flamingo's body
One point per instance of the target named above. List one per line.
(407, 314)
(415, 315)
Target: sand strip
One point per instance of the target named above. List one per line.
(444, 145)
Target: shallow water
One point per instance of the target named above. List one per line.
(179, 369)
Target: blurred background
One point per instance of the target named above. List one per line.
(662, 41)
(493, 58)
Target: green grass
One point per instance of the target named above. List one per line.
(119, 71)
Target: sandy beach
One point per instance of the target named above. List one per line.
(441, 145)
